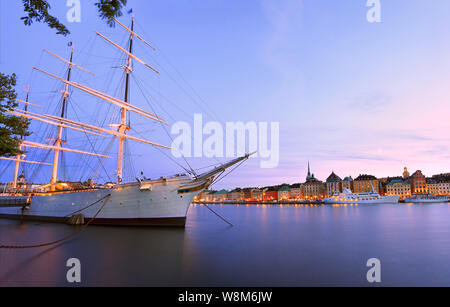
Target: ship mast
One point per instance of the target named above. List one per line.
(18, 157)
(59, 139)
(124, 127)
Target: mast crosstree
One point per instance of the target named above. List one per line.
(123, 127)
(120, 130)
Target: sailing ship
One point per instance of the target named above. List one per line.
(144, 202)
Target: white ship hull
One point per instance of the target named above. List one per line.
(426, 201)
(160, 203)
(347, 197)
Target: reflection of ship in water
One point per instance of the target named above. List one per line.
(427, 198)
(115, 256)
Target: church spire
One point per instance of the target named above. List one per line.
(309, 172)
(405, 173)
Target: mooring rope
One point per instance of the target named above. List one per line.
(106, 198)
(223, 219)
(87, 207)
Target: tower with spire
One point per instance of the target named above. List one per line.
(309, 176)
(405, 173)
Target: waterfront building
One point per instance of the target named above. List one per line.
(257, 194)
(418, 183)
(221, 195)
(383, 183)
(22, 186)
(271, 194)
(398, 187)
(432, 186)
(248, 195)
(365, 183)
(204, 196)
(252, 194)
(284, 192)
(312, 188)
(347, 183)
(296, 191)
(442, 177)
(237, 194)
(443, 183)
(334, 184)
(444, 188)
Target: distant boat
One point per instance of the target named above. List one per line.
(427, 198)
(347, 197)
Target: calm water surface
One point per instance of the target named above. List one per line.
(268, 246)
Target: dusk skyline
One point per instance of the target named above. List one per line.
(351, 97)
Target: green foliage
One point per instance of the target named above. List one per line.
(11, 127)
(38, 11)
(109, 9)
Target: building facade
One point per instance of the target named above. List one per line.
(333, 184)
(312, 188)
(219, 196)
(204, 196)
(366, 183)
(398, 187)
(271, 194)
(284, 193)
(248, 195)
(418, 183)
(432, 186)
(296, 191)
(257, 194)
(444, 188)
(347, 183)
(236, 194)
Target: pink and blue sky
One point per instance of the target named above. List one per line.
(351, 96)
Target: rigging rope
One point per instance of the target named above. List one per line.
(162, 125)
(159, 50)
(218, 179)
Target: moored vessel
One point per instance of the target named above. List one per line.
(426, 199)
(347, 197)
(140, 202)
